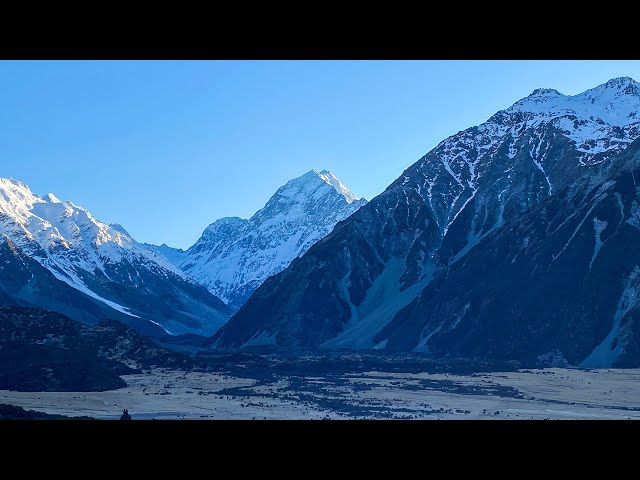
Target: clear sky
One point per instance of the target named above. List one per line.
(166, 148)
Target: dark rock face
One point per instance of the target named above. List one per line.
(563, 278)
(436, 246)
(46, 351)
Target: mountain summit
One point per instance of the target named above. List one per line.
(58, 256)
(234, 255)
(412, 269)
(330, 178)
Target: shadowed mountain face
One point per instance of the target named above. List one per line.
(558, 285)
(25, 282)
(379, 278)
(42, 350)
(234, 256)
(106, 274)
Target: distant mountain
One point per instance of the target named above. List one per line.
(111, 275)
(42, 350)
(234, 256)
(426, 265)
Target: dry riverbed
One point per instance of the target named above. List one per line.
(524, 394)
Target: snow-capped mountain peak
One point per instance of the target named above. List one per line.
(16, 199)
(225, 223)
(53, 224)
(87, 254)
(545, 92)
(332, 180)
(616, 103)
(234, 255)
(51, 198)
(600, 122)
(626, 84)
(310, 181)
(119, 228)
(13, 183)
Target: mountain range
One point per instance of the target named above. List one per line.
(512, 239)
(56, 255)
(517, 239)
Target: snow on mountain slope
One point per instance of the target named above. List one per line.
(53, 224)
(102, 261)
(602, 119)
(434, 214)
(597, 124)
(234, 256)
(331, 179)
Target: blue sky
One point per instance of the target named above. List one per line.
(165, 148)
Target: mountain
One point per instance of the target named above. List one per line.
(234, 256)
(42, 350)
(58, 256)
(558, 285)
(379, 279)
(26, 283)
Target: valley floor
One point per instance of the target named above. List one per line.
(523, 394)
